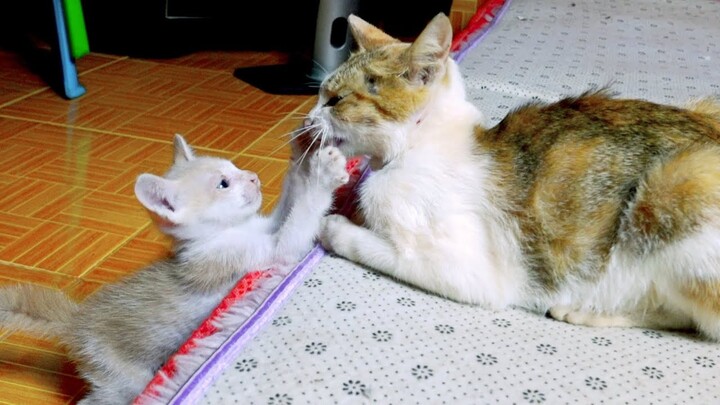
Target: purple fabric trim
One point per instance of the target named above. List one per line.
(198, 383)
(478, 37)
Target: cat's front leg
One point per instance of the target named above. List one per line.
(357, 244)
(312, 200)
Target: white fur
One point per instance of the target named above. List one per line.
(424, 223)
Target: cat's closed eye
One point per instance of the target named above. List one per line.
(371, 84)
(224, 183)
(333, 101)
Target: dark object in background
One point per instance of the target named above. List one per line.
(157, 28)
(166, 28)
(332, 43)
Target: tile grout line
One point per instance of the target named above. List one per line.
(41, 89)
(36, 388)
(21, 98)
(288, 115)
(119, 246)
(41, 350)
(141, 138)
(106, 64)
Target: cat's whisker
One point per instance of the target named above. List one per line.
(293, 136)
(321, 67)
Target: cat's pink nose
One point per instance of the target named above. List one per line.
(254, 178)
(307, 122)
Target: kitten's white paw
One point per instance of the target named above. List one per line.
(334, 232)
(328, 167)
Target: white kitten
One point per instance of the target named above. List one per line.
(123, 334)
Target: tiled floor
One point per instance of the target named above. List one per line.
(68, 216)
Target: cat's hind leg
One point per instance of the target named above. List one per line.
(658, 318)
(587, 318)
(673, 227)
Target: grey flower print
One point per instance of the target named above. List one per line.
(595, 383)
(354, 387)
(705, 362)
(534, 396)
(501, 323)
(601, 341)
(281, 321)
(546, 349)
(280, 399)
(422, 372)
(346, 306)
(652, 334)
(444, 329)
(406, 302)
(316, 348)
(245, 365)
(382, 336)
(653, 373)
(370, 275)
(486, 359)
(312, 283)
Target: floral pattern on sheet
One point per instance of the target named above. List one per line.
(665, 51)
(386, 351)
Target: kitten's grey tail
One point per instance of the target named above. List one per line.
(38, 310)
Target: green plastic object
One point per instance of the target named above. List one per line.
(77, 34)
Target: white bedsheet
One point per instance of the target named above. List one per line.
(352, 336)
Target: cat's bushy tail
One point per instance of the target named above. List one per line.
(38, 310)
(709, 107)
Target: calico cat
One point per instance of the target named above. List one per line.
(123, 334)
(599, 210)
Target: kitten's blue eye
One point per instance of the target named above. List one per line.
(224, 183)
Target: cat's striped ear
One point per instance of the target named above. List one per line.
(183, 151)
(430, 50)
(366, 35)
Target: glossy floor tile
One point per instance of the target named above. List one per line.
(68, 216)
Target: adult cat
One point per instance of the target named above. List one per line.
(123, 333)
(602, 211)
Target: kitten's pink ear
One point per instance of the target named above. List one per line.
(183, 152)
(159, 196)
(366, 35)
(430, 50)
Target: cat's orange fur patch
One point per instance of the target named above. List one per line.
(703, 293)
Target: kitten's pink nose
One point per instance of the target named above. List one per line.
(253, 178)
(307, 122)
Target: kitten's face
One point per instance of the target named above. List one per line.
(200, 191)
(365, 105)
(213, 190)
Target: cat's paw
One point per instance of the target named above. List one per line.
(328, 167)
(586, 318)
(334, 232)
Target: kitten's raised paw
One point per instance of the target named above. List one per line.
(328, 166)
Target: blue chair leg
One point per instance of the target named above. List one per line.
(71, 85)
